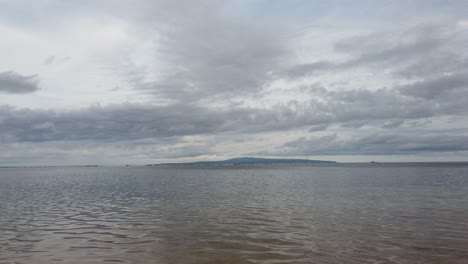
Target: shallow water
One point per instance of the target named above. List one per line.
(235, 214)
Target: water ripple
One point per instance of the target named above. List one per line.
(248, 215)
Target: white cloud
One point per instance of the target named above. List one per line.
(463, 24)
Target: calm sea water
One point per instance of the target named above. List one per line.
(235, 214)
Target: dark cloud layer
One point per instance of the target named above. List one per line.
(15, 83)
(351, 109)
(126, 122)
(448, 86)
(374, 144)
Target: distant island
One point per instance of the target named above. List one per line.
(250, 161)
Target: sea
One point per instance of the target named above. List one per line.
(268, 214)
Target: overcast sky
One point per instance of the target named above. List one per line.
(137, 82)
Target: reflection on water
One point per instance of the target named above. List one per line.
(256, 214)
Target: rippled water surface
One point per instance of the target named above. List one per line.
(235, 214)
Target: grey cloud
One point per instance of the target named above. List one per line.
(15, 83)
(365, 105)
(354, 124)
(210, 53)
(392, 47)
(414, 143)
(188, 151)
(159, 148)
(351, 109)
(305, 146)
(374, 144)
(420, 123)
(90, 152)
(305, 69)
(443, 63)
(67, 58)
(49, 60)
(393, 123)
(317, 128)
(119, 122)
(448, 96)
(442, 86)
(418, 52)
(136, 121)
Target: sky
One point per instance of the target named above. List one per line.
(114, 82)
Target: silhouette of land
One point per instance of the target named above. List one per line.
(250, 160)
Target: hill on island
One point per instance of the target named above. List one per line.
(249, 160)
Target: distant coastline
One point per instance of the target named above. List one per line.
(261, 161)
(250, 161)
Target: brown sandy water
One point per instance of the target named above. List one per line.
(235, 214)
